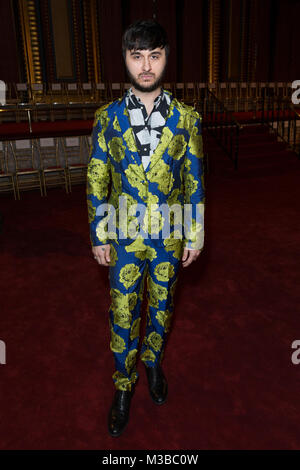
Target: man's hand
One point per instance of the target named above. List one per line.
(101, 254)
(189, 256)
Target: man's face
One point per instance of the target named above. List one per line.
(146, 68)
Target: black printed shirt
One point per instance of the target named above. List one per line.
(147, 129)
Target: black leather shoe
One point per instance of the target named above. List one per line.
(158, 386)
(119, 412)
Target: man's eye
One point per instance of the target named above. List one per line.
(155, 57)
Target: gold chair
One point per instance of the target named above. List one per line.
(288, 90)
(232, 102)
(40, 102)
(7, 181)
(222, 91)
(253, 90)
(27, 175)
(126, 86)
(115, 90)
(8, 113)
(58, 106)
(73, 101)
(169, 86)
(73, 92)
(243, 96)
(11, 97)
(53, 174)
(200, 87)
(87, 92)
(190, 92)
(22, 92)
(38, 93)
(261, 89)
(87, 139)
(76, 160)
(179, 91)
(101, 93)
(56, 92)
(280, 89)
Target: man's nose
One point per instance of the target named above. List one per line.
(146, 64)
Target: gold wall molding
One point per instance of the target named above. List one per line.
(95, 41)
(30, 39)
(88, 41)
(214, 41)
(91, 33)
(76, 39)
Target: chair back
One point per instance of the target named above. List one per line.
(73, 92)
(101, 92)
(23, 153)
(48, 152)
(73, 150)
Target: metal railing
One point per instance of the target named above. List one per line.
(280, 115)
(220, 122)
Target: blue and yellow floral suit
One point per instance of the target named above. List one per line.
(174, 176)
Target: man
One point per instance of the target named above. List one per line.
(148, 147)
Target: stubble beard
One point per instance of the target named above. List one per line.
(146, 89)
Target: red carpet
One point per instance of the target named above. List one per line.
(232, 384)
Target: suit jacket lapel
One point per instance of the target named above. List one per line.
(168, 133)
(131, 151)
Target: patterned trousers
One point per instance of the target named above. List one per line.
(129, 266)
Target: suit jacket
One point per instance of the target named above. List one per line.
(130, 204)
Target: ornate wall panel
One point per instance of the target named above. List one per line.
(10, 71)
(59, 39)
(214, 40)
(192, 43)
(285, 41)
(110, 35)
(46, 32)
(62, 39)
(248, 44)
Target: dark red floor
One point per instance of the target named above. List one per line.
(232, 384)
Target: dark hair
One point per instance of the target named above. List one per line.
(145, 34)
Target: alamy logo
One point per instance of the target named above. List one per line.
(295, 95)
(2, 93)
(2, 352)
(295, 356)
(157, 219)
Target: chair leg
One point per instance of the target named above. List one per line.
(14, 187)
(44, 184)
(40, 180)
(18, 189)
(66, 182)
(70, 183)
